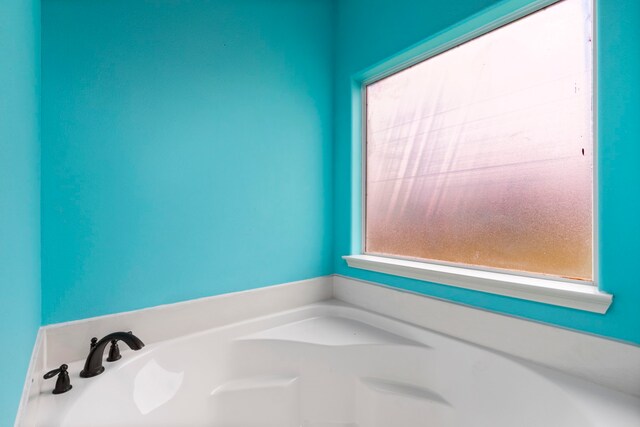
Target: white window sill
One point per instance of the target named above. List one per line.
(566, 294)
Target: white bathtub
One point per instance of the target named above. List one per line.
(329, 365)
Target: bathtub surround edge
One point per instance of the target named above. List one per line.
(366, 369)
(27, 408)
(610, 363)
(69, 341)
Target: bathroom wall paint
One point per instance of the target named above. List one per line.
(125, 83)
(373, 31)
(19, 196)
(186, 149)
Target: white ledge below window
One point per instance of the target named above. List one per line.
(556, 292)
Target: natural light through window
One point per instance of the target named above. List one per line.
(483, 155)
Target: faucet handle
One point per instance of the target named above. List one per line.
(63, 383)
(55, 372)
(114, 352)
(93, 343)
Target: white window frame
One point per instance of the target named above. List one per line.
(577, 294)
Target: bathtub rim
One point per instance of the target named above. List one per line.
(58, 342)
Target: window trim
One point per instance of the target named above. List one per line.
(583, 295)
(555, 292)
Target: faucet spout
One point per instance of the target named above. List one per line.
(93, 364)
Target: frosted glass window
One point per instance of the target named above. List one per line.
(483, 155)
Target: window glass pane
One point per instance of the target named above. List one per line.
(483, 155)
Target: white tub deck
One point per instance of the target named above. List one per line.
(329, 364)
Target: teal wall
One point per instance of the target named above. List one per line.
(181, 139)
(370, 32)
(186, 150)
(19, 196)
